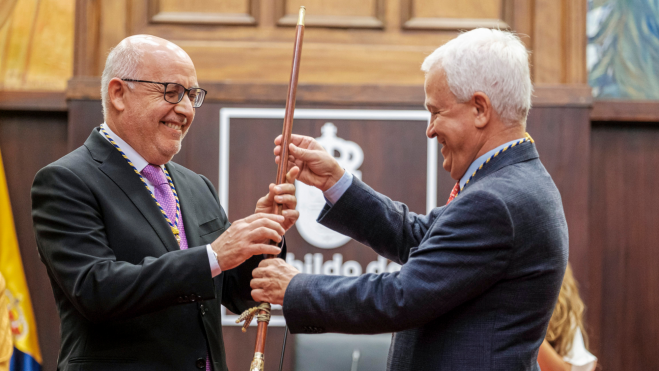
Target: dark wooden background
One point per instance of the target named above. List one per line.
(604, 170)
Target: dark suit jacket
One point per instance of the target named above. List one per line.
(127, 296)
(479, 280)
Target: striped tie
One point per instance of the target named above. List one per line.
(454, 193)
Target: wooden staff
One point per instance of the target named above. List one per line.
(258, 362)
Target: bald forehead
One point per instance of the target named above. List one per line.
(154, 44)
(162, 60)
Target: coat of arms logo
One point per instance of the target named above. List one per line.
(311, 200)
(19, 326)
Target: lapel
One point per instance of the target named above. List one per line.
(187, 201)
(520, 153)
(123, 175)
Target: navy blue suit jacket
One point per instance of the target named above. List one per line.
(479, 278)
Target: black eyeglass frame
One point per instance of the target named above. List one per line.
(180, 98)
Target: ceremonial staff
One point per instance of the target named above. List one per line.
(263, 317)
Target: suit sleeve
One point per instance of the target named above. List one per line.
(388, 227)
(236, 292)
(466, 251)
(73, 245)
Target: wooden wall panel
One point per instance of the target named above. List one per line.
(458, 9)
(368, 42)
(203, 6)
(319, 63)
(575, 42)
(346, 8)
(562, 136)
(456, 15)
(232, 12)
(338, 14)
(84, 115)
(619, 110)
(111, 30)
(625, 243)
(559, 42)
(30, 141)
(88, 57)
(548, 54)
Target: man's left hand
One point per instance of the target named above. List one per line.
(283, 194)
(270, 281)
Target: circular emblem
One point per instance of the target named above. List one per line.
(311, 200)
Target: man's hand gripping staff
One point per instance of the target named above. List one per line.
(318, 169)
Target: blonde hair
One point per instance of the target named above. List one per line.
(567, 316)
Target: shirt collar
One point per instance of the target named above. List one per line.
(479, 161)
(138, 161)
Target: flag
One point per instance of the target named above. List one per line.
(27, 355)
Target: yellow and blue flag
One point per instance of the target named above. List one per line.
(27, 355)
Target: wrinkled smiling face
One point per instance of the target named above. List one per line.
(451, 123)
(151, 125)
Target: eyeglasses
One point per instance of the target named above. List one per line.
(174, 92)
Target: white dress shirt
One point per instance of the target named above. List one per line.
(140, 163)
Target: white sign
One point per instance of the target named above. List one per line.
(314, 264)
(350, 157)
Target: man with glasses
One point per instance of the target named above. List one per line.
(138, 249)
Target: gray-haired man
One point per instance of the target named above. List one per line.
(480, 276)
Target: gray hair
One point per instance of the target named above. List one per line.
(490, 61)
(122, 62)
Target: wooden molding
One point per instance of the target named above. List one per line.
(453, 23)
(575, 95)
(240, 19)
(412, 22)
(559, 42)
(86, 38)
(332, 21)
(575, 42)
(375, 21)
(608, 111)
(521, 18)
(86, 88)
(33, 101)
(203, 18)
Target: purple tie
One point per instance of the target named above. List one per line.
(165, 197)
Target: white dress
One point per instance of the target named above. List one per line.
(580, 358)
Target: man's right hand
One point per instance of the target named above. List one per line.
(317, 167)
(248, 237)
